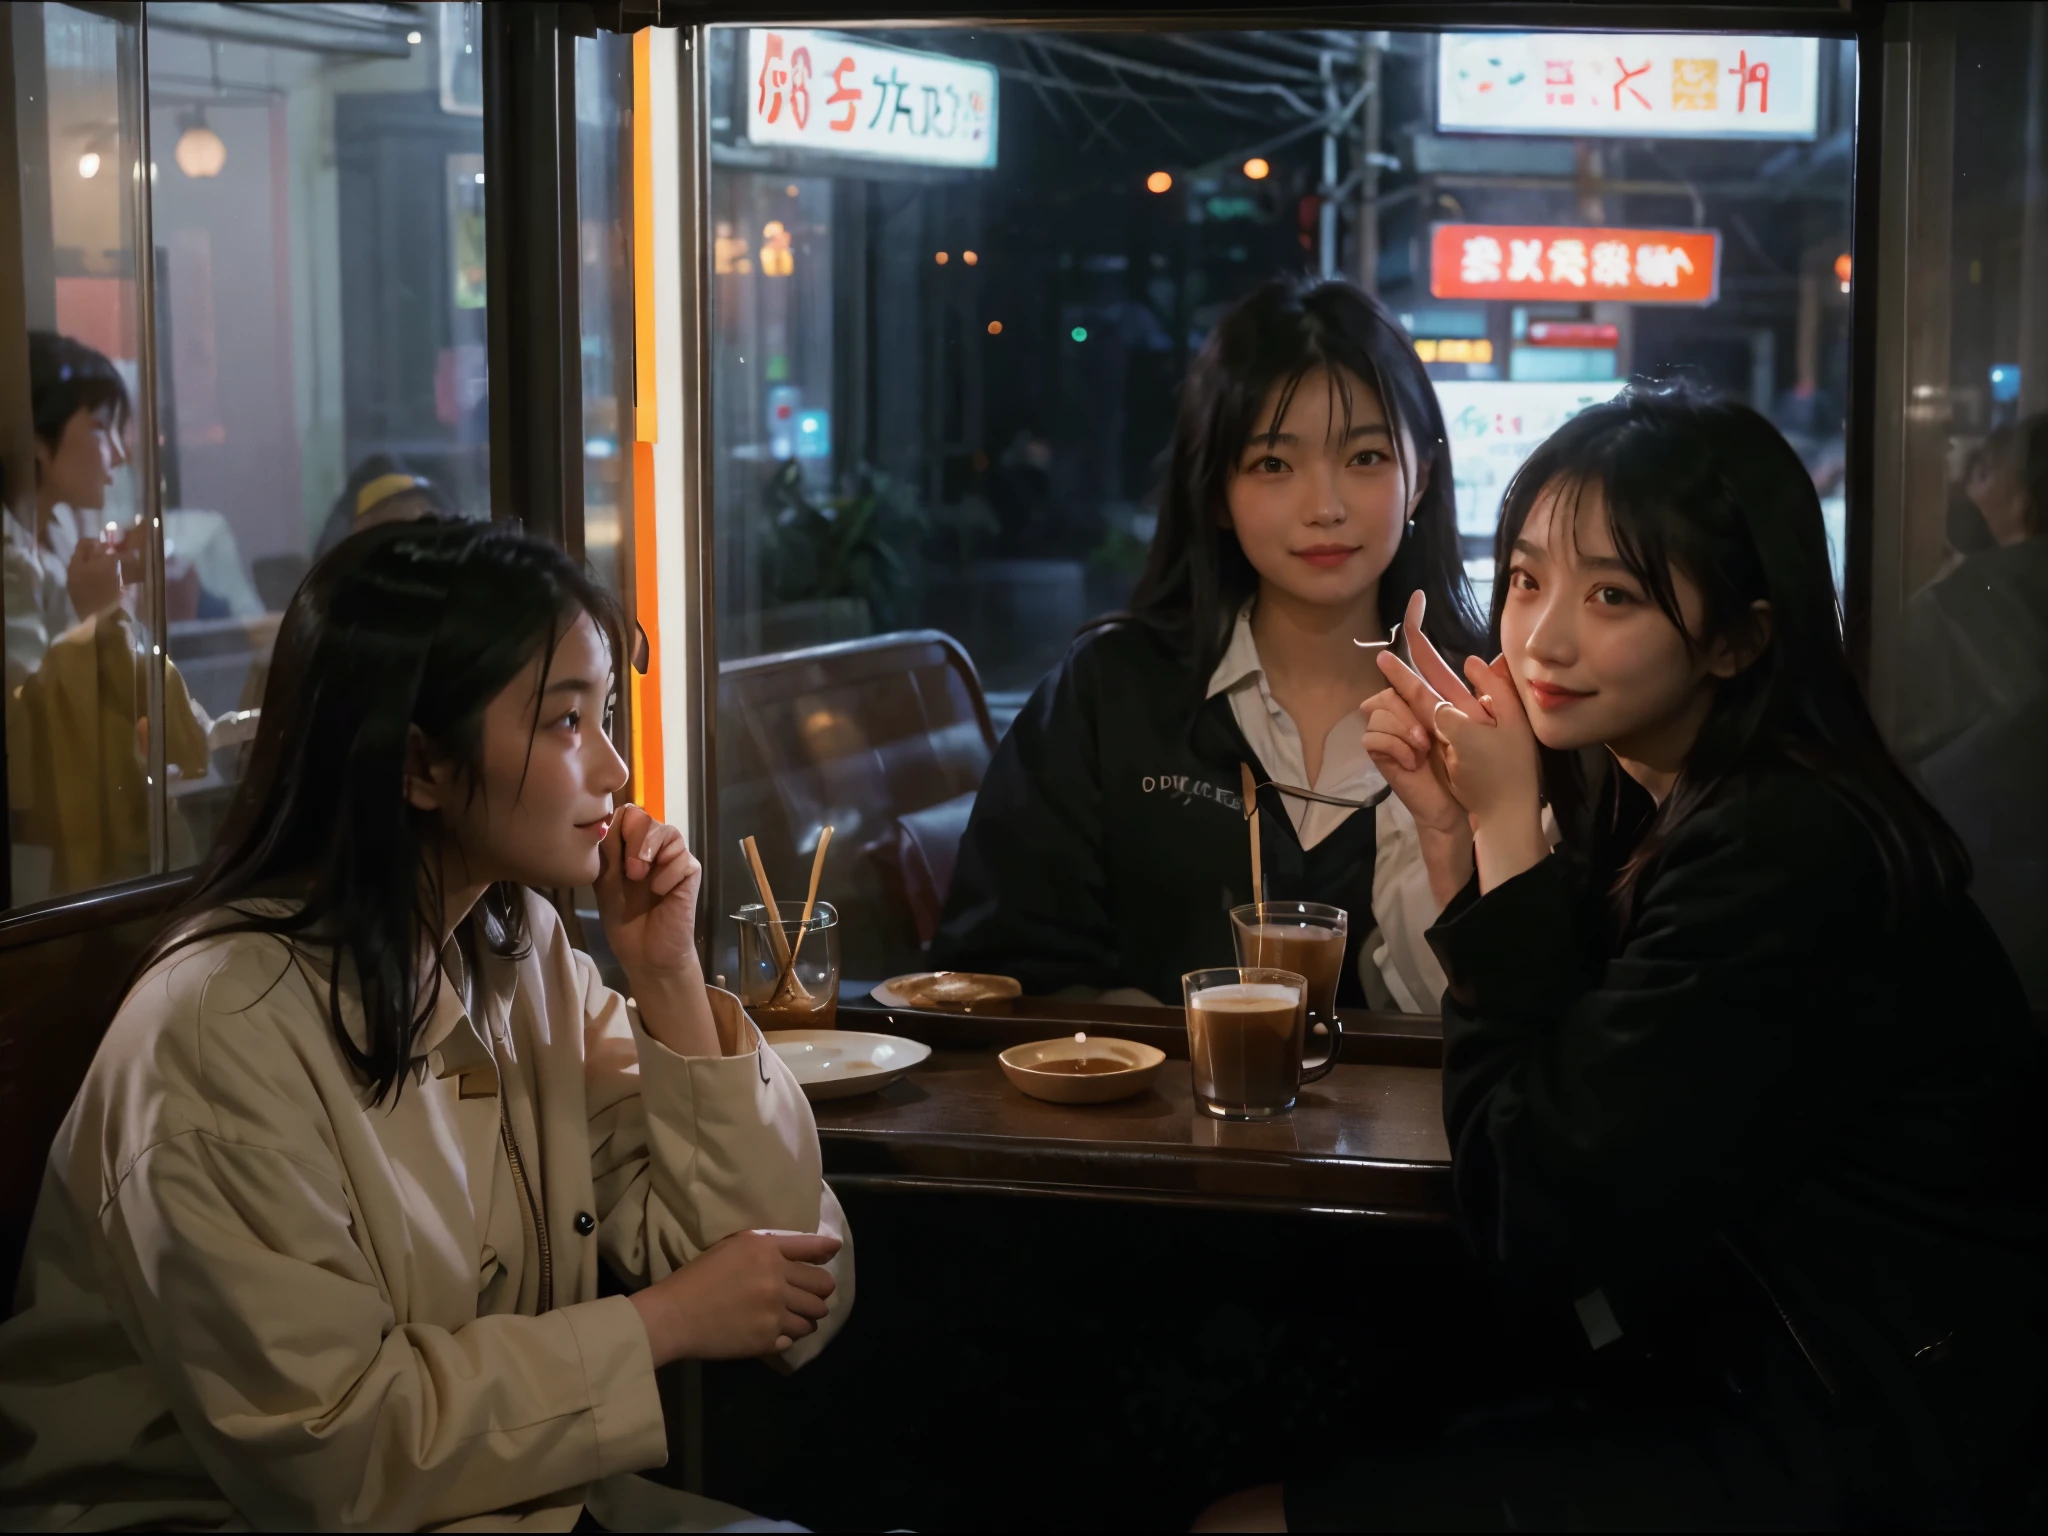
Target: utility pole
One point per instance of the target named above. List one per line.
(1326, 216)
(1371, 45)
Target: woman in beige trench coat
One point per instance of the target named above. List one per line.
(319, 1242)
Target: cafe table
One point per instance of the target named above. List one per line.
(1365, 1142)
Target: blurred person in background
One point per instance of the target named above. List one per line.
(77, 679)
(1973, 707)
(382, 490)
(58, 567)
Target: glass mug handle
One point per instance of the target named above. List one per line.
(1323, 1068)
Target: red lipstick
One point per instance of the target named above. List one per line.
(1550, 696)
(1326, 556)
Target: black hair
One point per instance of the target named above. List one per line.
(416, 624)
(65, 377)
(1709, 488)
(2019, 449)
(341, 515)
(1197, 577)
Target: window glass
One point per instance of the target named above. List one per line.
(958, 277)
(319, 227)
(604, 236)
(81, 630)
(1961, 574)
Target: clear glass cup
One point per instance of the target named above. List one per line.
(1304, 936)
(779, 996)
(1246, 1025)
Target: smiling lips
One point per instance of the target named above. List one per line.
(1550, 696)
(1326, 556)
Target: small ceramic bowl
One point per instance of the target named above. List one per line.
(1038, 1069)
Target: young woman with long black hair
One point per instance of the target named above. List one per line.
(1737, 1077)
(1307, 496)
(318, 1243)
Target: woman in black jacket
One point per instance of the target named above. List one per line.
(1737, 1078)
(1308, 497)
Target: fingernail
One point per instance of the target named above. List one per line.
(647, 850)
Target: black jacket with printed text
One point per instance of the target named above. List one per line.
(1108, 843)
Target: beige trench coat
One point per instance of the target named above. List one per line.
(250, 1298)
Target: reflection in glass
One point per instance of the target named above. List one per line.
(80, 628)
(604, 245)
(957, 278)
(1970, 713)
(321, 314)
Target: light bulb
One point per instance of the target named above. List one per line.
(89, 164)
(200, 153)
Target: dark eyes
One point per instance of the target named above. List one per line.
(1365, 458)
(1612, 597)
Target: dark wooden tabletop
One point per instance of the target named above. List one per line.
(1365, 1141)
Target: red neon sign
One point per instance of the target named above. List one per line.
(1572, 333)
(1548, 261)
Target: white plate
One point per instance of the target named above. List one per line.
(839, 1063)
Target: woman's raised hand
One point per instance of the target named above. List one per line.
(750, 1294)
(1400, 743)
(1483, 742)
(647, 896)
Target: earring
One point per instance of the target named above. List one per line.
(1410, 533)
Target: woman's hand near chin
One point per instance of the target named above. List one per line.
(647, 885)
(1400, 741)
(1489, 761)
(1409, 760)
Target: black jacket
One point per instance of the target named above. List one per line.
(1108, 842)
(1748, 1074)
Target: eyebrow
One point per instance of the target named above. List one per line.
(572, 685)
(1363, 429)
(1596, 562)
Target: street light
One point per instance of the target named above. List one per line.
(1158, 181)
(1256, 169)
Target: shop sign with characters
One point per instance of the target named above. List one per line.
(825, 92)
(1633, 85)
(1548, 261)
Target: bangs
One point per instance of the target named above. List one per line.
(1613, 460)
(1313, 348)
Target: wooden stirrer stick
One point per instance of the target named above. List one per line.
(778, 945)
(1251, 814)
(810, 901)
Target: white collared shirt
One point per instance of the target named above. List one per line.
(1398, 969)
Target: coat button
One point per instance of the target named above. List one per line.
(585, 1223)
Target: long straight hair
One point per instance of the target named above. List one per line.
(1196, 576)
(1710, 489)
(409, 625)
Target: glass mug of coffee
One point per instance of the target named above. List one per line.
(1246, 1031)
(1303, 936)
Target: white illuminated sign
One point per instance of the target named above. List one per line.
(1492, 426)
(822, 91)
(1628, 84)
